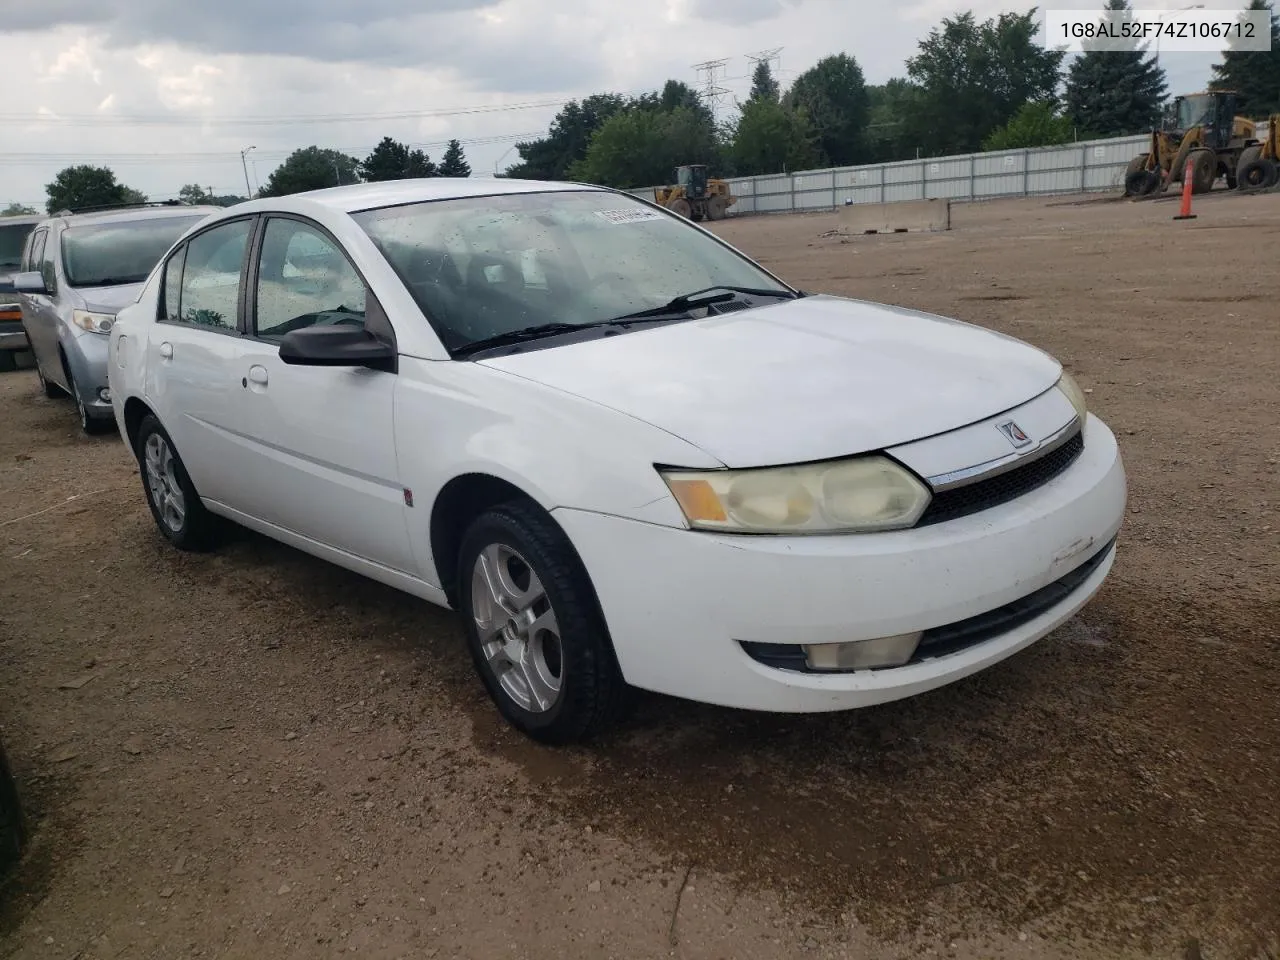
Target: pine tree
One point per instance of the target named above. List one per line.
(1253, 75)
(763, 84)
(1114, 93)
(454, 162)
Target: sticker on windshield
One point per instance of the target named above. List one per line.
(631, 215)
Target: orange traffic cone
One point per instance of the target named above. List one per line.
(1185, 213)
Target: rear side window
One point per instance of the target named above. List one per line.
(202, 280)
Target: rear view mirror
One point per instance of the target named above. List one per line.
(337, 346)
(31, 282)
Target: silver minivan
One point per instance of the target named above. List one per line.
(77, 270)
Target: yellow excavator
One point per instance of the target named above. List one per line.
(1204, 128)
(696, 196)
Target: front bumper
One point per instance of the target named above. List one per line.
(680, 604)
(87, 357)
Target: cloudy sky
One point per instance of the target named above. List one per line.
(169, 93)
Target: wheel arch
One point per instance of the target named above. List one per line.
(456, 506)
(135, 409)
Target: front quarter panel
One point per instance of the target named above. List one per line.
(457, 418)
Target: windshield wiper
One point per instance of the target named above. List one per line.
(526, 334)
(705, 297)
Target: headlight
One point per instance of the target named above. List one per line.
(843, 496)
(1072, 389)
(93, 322)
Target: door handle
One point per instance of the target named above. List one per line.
(166, 350)
(258, 374)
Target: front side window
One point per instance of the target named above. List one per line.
(110, 254)
(36, 252)
(481, 267)
(210, 289)
(304, 280)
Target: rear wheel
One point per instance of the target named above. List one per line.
(717, 207)
(175, 505)
(1135, 175)
(1248, 156)
(1140, 183)
(536, 634)
(1204, 170)
(8, 361)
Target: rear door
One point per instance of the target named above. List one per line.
(193, 353)
(322, 460)
(38, 315)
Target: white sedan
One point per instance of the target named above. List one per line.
(627, 454)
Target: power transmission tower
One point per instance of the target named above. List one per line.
(772, 57)
(710, 74)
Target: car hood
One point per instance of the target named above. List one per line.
(800, 380)
(109, 299)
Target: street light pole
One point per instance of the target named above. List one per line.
(245, 166)
(1194, 6)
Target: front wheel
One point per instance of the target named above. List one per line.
(535, 632)
(88, 424)
(175, 505)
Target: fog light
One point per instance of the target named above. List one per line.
(863, 654)
(104, 395)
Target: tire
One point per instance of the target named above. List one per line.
(1258, 175)
(681, 206)
(1204, 170)
(1248, 156)
(1141, 183)
(90, 426)
(175, 505)
(717, 207)
(564, 686)
(51, 390)
(12, 829)
(8, 361)
(1135, 175)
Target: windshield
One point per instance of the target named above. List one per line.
(480, 267)
(1195, 112)
(12, 238)
(121, 252)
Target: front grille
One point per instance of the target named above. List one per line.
(954, 637)
(985, 494)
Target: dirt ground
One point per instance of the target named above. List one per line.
(254, 754)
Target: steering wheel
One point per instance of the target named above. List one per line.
(604, 278)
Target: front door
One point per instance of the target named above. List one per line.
(323, 461)
(39, 318)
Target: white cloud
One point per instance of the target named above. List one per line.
(376, 67)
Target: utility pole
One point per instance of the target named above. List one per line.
(245, 166)
(337, 173)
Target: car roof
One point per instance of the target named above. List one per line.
(366, 196)
(124, 214)
(23, 219)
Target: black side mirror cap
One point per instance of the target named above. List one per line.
(30, 282)
(337, 346)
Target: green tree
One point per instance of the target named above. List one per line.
(550, 157)
(85, 185)
(643, 146)
(454, 162)
(193, 193)
(1112, 92)
(763, 84)
(973, 77)
(311, 168)
(17, 210)
(1034, 125)
(888, 127)
(833, 95)
(772, 138)
(392, 160)
(1253, 75)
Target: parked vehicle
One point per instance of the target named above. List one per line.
(13, 236)
(77, 270)
(12, 828)
(626, 453)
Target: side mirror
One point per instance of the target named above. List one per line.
(337, 346)
(31, 282)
